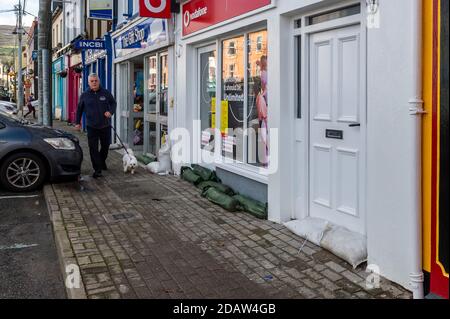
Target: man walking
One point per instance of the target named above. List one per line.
(99, 106)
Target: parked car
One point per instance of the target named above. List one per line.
(31, 154)
(8, 107)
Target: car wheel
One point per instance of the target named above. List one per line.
(22, 172)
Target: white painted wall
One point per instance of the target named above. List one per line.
(122, 7)
(392, 193)
(74, 19)
(391, 164)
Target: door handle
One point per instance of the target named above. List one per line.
(354, 125)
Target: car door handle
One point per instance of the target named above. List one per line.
(354, 125)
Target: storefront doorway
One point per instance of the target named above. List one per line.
(335, 127)
(156, 101)
(331, 118)
(144, 110)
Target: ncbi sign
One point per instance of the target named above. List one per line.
(90, 44)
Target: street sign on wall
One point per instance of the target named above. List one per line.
(201, 14)
(154, 8)
(100, 9)
(90, 44)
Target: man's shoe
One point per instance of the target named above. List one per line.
(104, 167)
(97, 174)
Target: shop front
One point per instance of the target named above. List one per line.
(282, 94)
(98, 62)
(59, 89)
(143, 80)
(74, 85)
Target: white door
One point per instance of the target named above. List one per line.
(336, 128)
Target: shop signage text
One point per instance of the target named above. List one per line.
(141, 36)
(90, 44)
(154, 9)
(201, 14)
(93, 55)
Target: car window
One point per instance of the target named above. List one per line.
(2, 125)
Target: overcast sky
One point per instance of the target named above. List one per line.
(9, 18)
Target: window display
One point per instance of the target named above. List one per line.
(233, 93)
(138, 107)
(207, 98)
(257, 140)
(245, 98)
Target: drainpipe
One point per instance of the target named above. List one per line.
(416, 111)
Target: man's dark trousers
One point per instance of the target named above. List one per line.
(95, 135)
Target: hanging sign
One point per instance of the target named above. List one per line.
(144, 35)
(100, 9)
(201, 14)
(154, 9)
(90, 44)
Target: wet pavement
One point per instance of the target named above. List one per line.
(29, 266)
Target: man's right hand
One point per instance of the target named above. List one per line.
(78, 127)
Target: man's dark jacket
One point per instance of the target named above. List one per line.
(94, 104)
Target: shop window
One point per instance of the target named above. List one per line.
(164, 85)
(257, 101)
(138, 106)
(259, 43)
(335, 14)
(152, 84)
(207, 61)
(231, 71)
(232, 113)
(231, 48)
(152, 146)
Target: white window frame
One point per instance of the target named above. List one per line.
(259, 174)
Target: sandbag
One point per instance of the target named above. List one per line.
(206, 174)
(223, 200)
(254, 207)
(154, 167)
(145, 159)
(309, 228)
(350, 246)
(221, 187)
(188, 175)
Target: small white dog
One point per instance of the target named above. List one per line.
(129, 161)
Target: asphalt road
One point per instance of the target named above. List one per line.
(29, 267)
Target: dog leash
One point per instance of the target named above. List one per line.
(118, 137)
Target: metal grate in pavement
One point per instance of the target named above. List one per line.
(120, 217)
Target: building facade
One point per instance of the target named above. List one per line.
(144, 63)
(300, 104)
(30, 55)
(59, 72)
(314, 107)
(435, 154)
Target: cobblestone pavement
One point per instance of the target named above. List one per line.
(150, 236)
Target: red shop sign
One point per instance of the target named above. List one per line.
(200, 14)
(154, 8)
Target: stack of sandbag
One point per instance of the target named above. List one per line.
(223, 200)
(216, 192)
(251, 206)
(145, 159)
(198, 174)
(189, 175)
